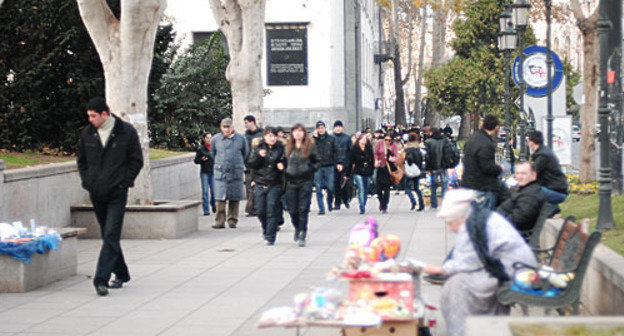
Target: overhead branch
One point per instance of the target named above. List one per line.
(101, 24)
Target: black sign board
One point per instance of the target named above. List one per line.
(287, 54)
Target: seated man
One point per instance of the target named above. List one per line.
(549, 174)
(487, 246)
(523, 207)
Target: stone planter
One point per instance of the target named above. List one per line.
(163, 219)
(503, 326)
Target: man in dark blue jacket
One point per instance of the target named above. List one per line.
(109, 159)
(343, 147)
(324, 176)
(549, 174)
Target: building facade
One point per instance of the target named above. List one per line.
(318, 58)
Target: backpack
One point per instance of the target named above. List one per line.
(450, 155)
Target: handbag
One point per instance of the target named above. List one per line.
(412, 170)
(397, 175)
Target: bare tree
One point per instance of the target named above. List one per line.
(125, 47)
(421, 64)
(242, 23)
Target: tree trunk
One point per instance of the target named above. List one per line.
(399, 106)
(438, 47)
(242, 23)
(421, 63)
(465, 126)
(590, 108)
(126, 48)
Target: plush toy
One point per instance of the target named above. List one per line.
(363, 233)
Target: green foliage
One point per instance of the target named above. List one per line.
(192, 97)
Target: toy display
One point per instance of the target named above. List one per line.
(544, 281)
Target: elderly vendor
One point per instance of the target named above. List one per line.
(487, 246)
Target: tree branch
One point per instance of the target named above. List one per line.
(101, 24)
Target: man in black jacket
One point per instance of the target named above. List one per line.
(524, 205)
(435, 164)
(252, 131)
(324, 176)
(480, 169)
(343, 146)
(549, 174)
(109, 159)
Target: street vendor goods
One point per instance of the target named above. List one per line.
(20, 243)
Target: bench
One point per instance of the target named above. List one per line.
(62, 263)
(533, 235)
(571, 253)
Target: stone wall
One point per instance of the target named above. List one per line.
(603, 288)
(45, 193)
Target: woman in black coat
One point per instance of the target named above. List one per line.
(206, 161)
(414, 156)
(361, 167)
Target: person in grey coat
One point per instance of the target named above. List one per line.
(229, 150)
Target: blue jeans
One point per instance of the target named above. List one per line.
(486, 199)
(208, 198)
(324, 179)
(438, 178)
(554, 197)
(361, 182)
(413, 182)
(267, 206)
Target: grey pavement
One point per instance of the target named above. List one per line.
(215, 282)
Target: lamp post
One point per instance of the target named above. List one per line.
(520, 18)
(605, 212)
(507, 41)
(549, 63)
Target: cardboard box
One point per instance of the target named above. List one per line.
(379, 294)
(407, 328)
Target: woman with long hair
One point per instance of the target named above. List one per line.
(301, 163)
(414, 156)
(361, 168)
(385, 156)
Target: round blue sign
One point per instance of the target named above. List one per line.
(534, 71)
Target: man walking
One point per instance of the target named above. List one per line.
(324, 176)
(549, 174)
(435, 151)
(252, 131)
(109, 159)
(480, 169)
(229, 151)
(343, 146)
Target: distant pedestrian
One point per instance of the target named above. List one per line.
(435, 164)
(448, 130)
(229, 150)
(385, 157)
(109, 159)
(343, 149)
(361, 167)
(301, 163)
(414, 156)
(267, 164)
(252, 131)
(324, 176)
(206, 162)
(549, 174)
(480, 169)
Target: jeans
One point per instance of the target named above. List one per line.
(298, 197)
(361, 182)
(554, 197)
(438, 178)
(109, 211)
(208, 199)
(324, 179)
(267, 206)
(413, 182)
(486, 199)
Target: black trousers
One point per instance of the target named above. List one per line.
(109, 211)
(298, 197)
(268, 207)
(383, 194)
(340, 194)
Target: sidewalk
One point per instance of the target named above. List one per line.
(215, 282)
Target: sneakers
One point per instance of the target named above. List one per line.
(361, 212)
(217, 226)
(101, 290)
(302, 242)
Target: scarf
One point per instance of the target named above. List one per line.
(476, 226)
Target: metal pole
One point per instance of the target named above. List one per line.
(605, 212)
(615, 96)
(524, 151)
(507, 147)
(549, 63)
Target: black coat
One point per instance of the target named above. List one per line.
(413, 155)
(326, 150)
(300, 169)
(480, 169)
(102, 169)
(524, 205)
(343, 148)
(264, 169)
(549, 172)
(362, 161)
(206, 165)
(435, 149)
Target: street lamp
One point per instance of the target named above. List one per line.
(520, 18)
(507, 42)
(549, 64)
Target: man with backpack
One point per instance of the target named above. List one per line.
(442, 155)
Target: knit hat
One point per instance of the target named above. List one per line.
(319, 123)
(338, 123)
